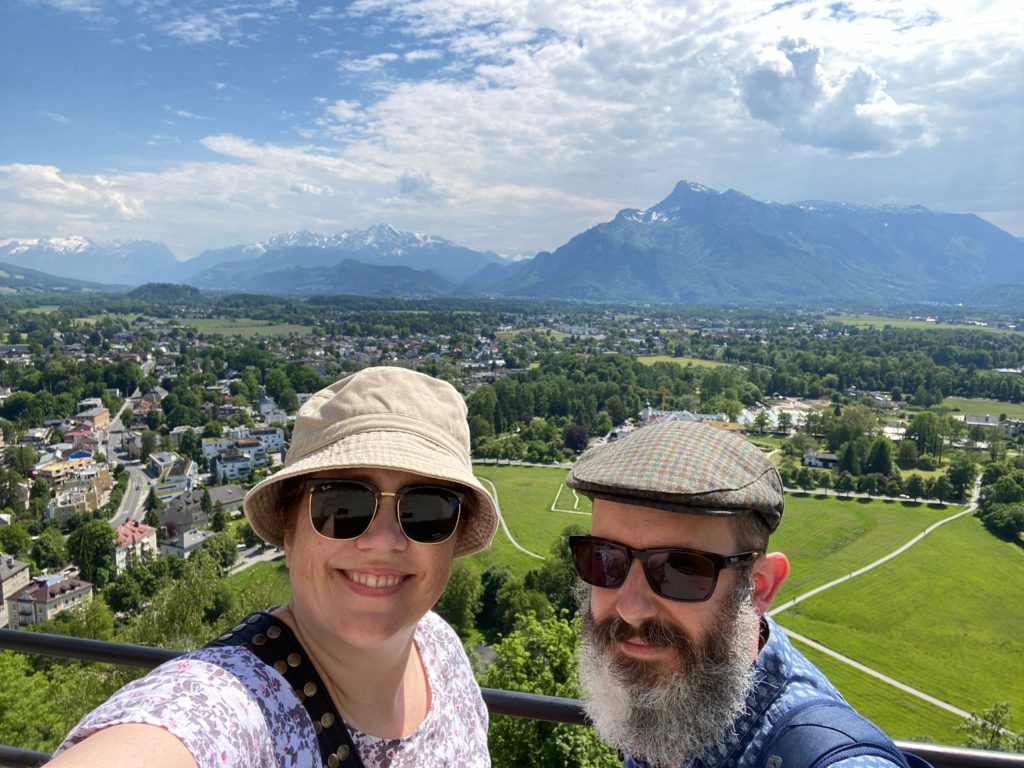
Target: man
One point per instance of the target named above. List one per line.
(679, 664)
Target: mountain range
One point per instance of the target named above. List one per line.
(696, 246)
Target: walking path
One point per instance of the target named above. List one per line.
(504, 527)
(857, 665)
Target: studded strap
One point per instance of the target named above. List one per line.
(275, 645)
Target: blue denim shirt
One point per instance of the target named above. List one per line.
(783, 678)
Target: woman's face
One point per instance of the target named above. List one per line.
(370, 590)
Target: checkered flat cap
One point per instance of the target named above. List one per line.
(683, 466)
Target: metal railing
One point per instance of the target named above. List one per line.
(499, 702)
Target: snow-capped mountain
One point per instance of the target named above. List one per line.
(380, 245)
(121, 262)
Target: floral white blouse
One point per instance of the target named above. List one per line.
(230, 709)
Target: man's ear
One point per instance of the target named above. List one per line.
(770, 571)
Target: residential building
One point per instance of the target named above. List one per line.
(214, 445)
(228, 496)
(272, 438)
(823, 460)
(231, 466)
(183, 513)
(184, 544)
(133, 539)
(180, 477)
(14, 575)
(97, 418)
(47, 596)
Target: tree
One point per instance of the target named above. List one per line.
(493, 581)
(880, 457)
(220, 521)
(222, 548)
(15, 540)
(153, 503)
(961, 473)
(91, 548)
(539, 656)
(844, 483)
(555, 577)
(990, 730)
(906, 454)
(762, 421)
(785, 422)
(516, 601)
(941, 489)
(49, 550)
(149, 442)
(576, 437)
(460, 601)
(914, 486)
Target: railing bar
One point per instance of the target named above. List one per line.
(499, 702)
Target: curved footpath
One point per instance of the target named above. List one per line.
(855, 664)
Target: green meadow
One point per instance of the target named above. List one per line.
(877, 321)
(942, 617)
(981, 407)
(684, 361)
(244, 326)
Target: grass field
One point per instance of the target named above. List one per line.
(877, 321)
(980, 407)
(526, 495)
(245, 327)
(684, 361)
(943, 617)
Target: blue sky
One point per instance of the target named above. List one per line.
(500, 125)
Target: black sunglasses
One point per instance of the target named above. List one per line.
(344, 509)
(678, 574)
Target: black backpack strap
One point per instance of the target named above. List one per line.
(821, 732)
(274, 644)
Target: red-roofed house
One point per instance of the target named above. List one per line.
(134, 538)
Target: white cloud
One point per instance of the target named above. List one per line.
(195, 29)
(57, 118)
(790, 88)
(369, 63)
(421, 55)
(546, 117)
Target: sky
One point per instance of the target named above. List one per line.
(503, 125)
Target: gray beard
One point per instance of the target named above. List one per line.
(667, 719)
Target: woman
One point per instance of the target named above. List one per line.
(376, 498)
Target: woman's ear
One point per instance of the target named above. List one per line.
(770, 571)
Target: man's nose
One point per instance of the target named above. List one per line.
(635, 600)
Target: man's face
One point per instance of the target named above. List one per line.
(637, 605)
(664, 678)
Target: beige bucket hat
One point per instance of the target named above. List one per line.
(386, 417)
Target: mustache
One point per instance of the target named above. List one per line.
(654, 631)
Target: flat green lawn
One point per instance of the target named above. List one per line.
(684, 361)
(826, 537)
(262, 585)
(526, 496)
(877, 321)
(981, 407)
(245, 327)
(904, 716)
(945, 617)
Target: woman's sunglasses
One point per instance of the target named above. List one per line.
(344, 509)
(678, 574)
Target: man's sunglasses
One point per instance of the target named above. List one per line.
(678, 574)
(344, 509)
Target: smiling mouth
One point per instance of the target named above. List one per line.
(374, 581)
